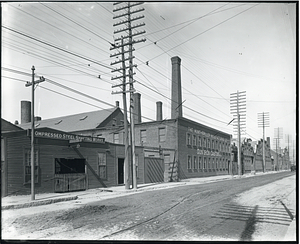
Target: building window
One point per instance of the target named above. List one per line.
(213, 163)
(189, 164)
(216, 146)
(204, 164)
(102, 165)
(161, 134)
(200, 163)
(143, 136)
(212, 144)
(188, 140)
(199, 141)
(116, 138)
(194, 140)
(27, 166)
(204, 142)
(195, 162)
(217, 164)
(208, 166)
(208, 143)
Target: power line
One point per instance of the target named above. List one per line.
(75, 22)
(222, 22)
(192, 20)
(62, 94)
(56, 47)
(62, 86)
(76, 37)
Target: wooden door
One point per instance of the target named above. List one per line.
(154, 170)
(69, 182)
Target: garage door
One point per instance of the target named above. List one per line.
(154, 170)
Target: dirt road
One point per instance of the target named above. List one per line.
(256, 208)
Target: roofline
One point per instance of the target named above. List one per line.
(62, 117)
(14, 125)
(207, 127)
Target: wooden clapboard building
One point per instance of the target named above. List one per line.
(63, 162)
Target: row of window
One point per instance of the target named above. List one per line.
(195, 162)
(143, 136)
(198, 141)
(161, 135)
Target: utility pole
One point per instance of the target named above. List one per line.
(238, 109)
(294, 152)
(287, 138)
(32, 129)
(127, 41)
(277, 137)
(126, 160)
(264, 121)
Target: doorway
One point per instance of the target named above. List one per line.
(120, 171)
(69, 175)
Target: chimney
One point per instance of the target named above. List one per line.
(117, 104)
(137, 115)
(25, 112)
(158, 111)
(176, 103)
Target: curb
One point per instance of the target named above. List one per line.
(38, 203)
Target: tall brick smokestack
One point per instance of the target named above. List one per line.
(25, 112)
(137, 115)
(176, 103)
(159, 111)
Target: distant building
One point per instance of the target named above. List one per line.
(247, 157)
(259, 167)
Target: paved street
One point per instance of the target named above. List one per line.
(212, 211)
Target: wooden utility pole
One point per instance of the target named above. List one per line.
(126, 141)
(32, 163)
(277, 137)
(127, 41)
(287, 138)
(238, 109)
(264, 121)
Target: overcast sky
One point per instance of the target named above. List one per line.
(224, 48)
